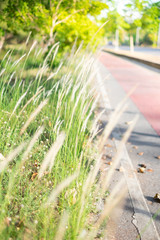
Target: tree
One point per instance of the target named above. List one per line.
(133, 14)
(43, 16)
(150, 21)
(59, 20)
(116, 24)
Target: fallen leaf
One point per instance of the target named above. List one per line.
(157, 197)
(135, 147)
(108, 145)
(140, 153)
(109, 163)
(141, 169)
(142, 165)
(150, 170)
(34, 176)
(121, 169)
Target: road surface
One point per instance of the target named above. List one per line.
(118, 77)
(145, 50)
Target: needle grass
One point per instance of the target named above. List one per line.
(49, 191)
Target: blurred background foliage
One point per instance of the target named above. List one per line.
(65, 21)
(51, 21)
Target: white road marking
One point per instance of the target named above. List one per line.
(142, 218)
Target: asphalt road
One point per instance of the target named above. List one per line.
(118, 77)
(147, 50)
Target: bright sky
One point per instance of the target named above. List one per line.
(121, 3)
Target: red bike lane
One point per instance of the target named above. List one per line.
(147, 94)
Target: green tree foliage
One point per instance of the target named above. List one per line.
(43, 17)
(54, 20)
(150, 22)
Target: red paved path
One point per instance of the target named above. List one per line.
(147, 94)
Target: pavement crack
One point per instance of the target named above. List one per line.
(134, 222)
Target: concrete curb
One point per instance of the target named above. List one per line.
(144, 59)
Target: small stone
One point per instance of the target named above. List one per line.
(157, 197)
(141, 169)
(140, 153)
(158, 157)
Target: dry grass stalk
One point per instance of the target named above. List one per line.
(76, 103)
(87, 186)
(11, 156)
(32, 47)
(114, 118)
(89, 114)
(55, 193)
(45, 60)
(55, 53)
(3, 70)
(30, 100)
(111, 124)
(33, 115)
(95, 126)
(55, 73)
(50, 156)
(115, 197)
(17, 61)
(27, 40)
(62, 227)
(5, 55)
(18, 103)
(117, 158)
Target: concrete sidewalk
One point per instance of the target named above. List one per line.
(151, 60)
(138, 216)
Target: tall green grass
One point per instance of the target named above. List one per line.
(48, 160)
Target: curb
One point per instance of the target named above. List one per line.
(136, 58)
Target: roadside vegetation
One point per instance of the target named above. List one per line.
(45, 129)
(50, 157)
(50, 154)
